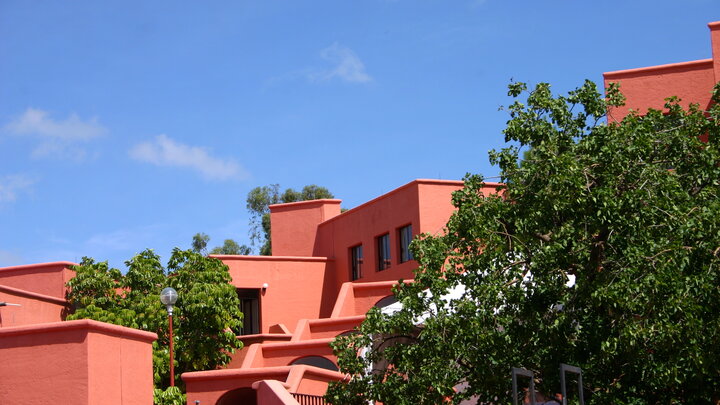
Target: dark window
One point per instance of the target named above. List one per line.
(383, 252)
(250, 307)
(405, 237)
(356, 261)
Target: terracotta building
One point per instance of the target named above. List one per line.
(327, 269)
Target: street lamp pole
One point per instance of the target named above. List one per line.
(168, 297)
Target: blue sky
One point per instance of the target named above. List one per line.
(127, 125)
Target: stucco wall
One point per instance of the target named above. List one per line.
(297, 286)
(76, 362)
(34, 308)
(43, 278)
(294, 225)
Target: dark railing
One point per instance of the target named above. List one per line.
(306, 399)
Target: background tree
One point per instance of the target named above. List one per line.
(604, 253)
(230, 247)
(199, 242)
(259, 200)
(205, 317)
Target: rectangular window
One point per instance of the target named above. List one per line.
(250, 307)
(383, 252)
(405, 237)
(356, 261)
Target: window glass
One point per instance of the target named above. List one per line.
(405, 237)
(356, 261)
(250, 307)
(383, 252)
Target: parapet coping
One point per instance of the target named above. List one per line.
(88, 324)
(294, 204)
(404, 186)
(30, 294)
(317, 259)
(37, 265)
(235, 373)
(690, 65)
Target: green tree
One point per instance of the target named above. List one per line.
(261, 198)
(604, 252)
(230, 247)
(205, 316)
(199, 242)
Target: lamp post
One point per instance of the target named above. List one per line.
(168, 297)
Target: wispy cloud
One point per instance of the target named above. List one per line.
(11, 185)
(58, 138)
(345, 65)
(122, 239)
(164, 151)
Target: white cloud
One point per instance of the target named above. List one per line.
(59, 139)
(12, 184)
(346, 65)
(164, 151)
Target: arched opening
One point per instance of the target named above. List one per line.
(317, 361)
(388, 305)
(240, 396)
(348, 333)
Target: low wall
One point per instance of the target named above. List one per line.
(80, 362)
(295, 286)
(42, 278)
(33, 308)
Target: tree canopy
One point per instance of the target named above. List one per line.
(206, 316)
(261, 198)
(602, 252)
(229, 246)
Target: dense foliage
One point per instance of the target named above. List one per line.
(261, 198)
(603, 253)
(205, 316)
(229, 246)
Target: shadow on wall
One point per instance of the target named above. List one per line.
(245, 396)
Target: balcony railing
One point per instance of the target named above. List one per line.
(307, 399)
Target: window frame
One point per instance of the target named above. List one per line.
(405, 237)
(383, 252)
(250, 306)
(356, 262)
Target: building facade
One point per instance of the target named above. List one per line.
(327, 270)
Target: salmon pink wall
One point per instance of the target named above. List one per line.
(76, 362)
(649, 86)
(209, 386)
(715, 41)
(424, 204)
(297, 286)
(294, 225)
(43, 278)
(34, 308)
(362, 225)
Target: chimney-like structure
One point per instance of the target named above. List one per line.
(294, 226)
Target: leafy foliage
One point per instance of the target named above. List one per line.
(199, 242)
(603, 252)
(169, 396)
(261, 198)
(205, 315)
(230, 247)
